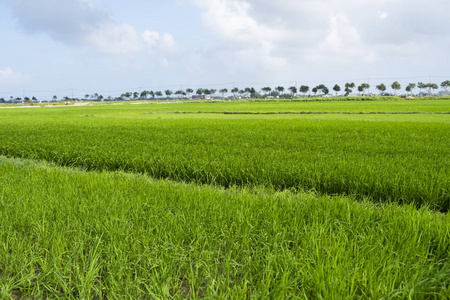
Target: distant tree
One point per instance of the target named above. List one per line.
(445, 84)
(395, 86)
(360, 89)
(151, 93)
(34, 98)
(2, 100)
(410, 87)
(158, 94)
(322, 88)
(365, 87)
(279, 89)
(252, 92)
(234, 91)
(179, 93)
(293, 90)
(304, 89)
(266, 90)
(421, 86)
(241, 92)
(199, 92)
(55, 98)
(128, 94)
(213, 91)
(206, 91)
(168, 93)
(26, 99)
(381, 87)
(100, 97)
(143, 94)
(189, 92)
(223, 91)
(336, 88)
(86, 96)
(430, 86)
(314, 90)
(348, 88)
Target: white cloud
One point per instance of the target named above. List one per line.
(291, 36)
(80, 22)
(9, 76)
(342, 44)
(383, 15)
(160, 46)
(237, 31)
(114, 38)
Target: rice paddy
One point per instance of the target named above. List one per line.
(307, 200)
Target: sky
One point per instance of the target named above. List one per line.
(109, 47)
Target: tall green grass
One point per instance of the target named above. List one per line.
(400, 158)
(72, 234)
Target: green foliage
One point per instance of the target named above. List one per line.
(304, 89)
(395, 86)
(72, 234)
(381, 87)
(445, 84)
(383, 157)
(348, 87)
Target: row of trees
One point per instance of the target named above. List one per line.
(363, 89)
(268, 91)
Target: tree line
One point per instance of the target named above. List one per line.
(265, 92)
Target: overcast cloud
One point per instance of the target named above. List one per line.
(206, 41)
(80, 22)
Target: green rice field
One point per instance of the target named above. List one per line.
(226, 200)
